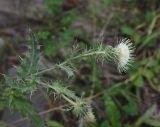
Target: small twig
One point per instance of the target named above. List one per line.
(94, 96)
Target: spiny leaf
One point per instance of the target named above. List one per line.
(67, 69)
(112, 111)
(30, 62)
(60, 89)
(21, 85)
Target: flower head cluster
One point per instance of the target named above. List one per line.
(124, 52)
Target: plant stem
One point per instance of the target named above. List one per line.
(64, 96)
(69, 60)
(69, 100)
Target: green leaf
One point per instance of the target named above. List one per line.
(52, 123)
(130, 108)
(67, 69)
(127, 30)
(107, 1)
(148, 74)
(69, 18)
(149, 17)
(112, 112)
(60, 89)
(51, 47)
(45, 35)
(150, 39)
(29, 64)
(94, 77)
(105, 124)
(138, 81)
(54, 6)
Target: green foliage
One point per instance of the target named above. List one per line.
(25, 108)
(130, 108)
(14, 92)
(67, 69)
(64, 35)
(107, 1)
(112, 112)
(144, 31)
(138, 81)
(54, 124)
(29, 63)
(151, 39)
(146, 115)
(104, 124)
(129, 31)
(54, 7)
(61, 89)
(94, 76)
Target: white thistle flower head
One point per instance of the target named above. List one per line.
(124, 52)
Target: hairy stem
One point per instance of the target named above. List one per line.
(71, 59)
(69, 100)
(64, 96)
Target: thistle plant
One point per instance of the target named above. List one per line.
(15, 90)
